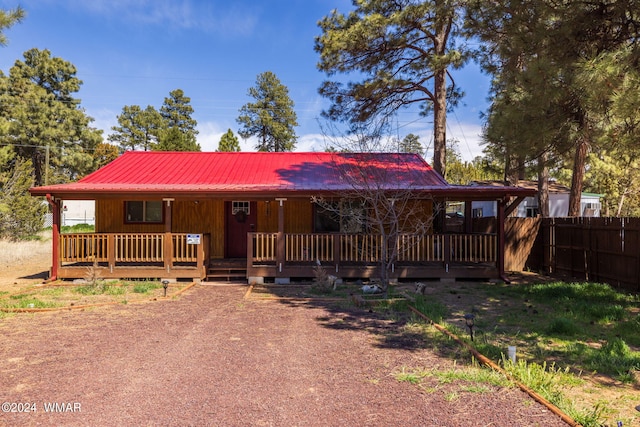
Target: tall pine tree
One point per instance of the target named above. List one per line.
(401, 50)
(271, 118)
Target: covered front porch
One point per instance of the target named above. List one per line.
(277, 256)
(431, 256)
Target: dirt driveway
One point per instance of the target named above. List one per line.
(214, 358)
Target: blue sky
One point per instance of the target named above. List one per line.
(136, 51)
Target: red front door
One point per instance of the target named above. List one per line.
(240, 219)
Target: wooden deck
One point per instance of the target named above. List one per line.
(276, 256)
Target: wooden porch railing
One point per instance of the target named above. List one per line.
(362, 248)
(117, 250)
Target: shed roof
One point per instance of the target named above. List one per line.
(193, 174)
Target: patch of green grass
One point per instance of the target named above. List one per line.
(562, 326)
(434, 310)
(472, 374)
(53, 292)
(475, 388)
(116, 290)
(549, 382)
(145, 287)
(30, 302)
(412, 377)
(78, 228)
(614, 358)
(588, 326)
(97, 288)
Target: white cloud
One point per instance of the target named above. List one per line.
(104, 119)
(469, 136)
(212, 17)
(209, 135)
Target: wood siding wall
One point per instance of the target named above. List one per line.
(207, 217)
(204, 217)
(298, 216)
(267, 220)
(110, 219)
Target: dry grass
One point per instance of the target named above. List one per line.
(15, 252)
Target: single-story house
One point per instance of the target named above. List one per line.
(258, 215)
(558, 202)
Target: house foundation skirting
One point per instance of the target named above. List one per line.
(423, 272)
(132, 272)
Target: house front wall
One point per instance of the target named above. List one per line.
(207, 217)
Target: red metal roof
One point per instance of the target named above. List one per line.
(171, 174)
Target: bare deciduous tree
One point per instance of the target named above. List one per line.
(385, 210)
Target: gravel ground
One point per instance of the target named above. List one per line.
(214, 358)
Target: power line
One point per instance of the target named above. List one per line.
(61, 147)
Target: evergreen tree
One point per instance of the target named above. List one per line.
(20, 214)
(138, 129)
(411, 144)
(104, 154)
(229, 142)
(271, 118)
(402, 50)
(552, 91)
(173, 139)
(8, 18)
(44, 120)
(179, 128)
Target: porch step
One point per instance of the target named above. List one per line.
(229, 270)
(228, 274)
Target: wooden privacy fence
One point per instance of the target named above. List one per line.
(522, 248)
(594, 249)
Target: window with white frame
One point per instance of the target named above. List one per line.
(237, 206)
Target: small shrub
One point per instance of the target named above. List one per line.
(95, 284)
(322, 281)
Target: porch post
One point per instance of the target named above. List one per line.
(55, 239)
(280, 244)
(468, 220)
(501, 238)
(168, 242)
(336, 250)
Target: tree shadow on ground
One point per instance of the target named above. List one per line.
(390, 327)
